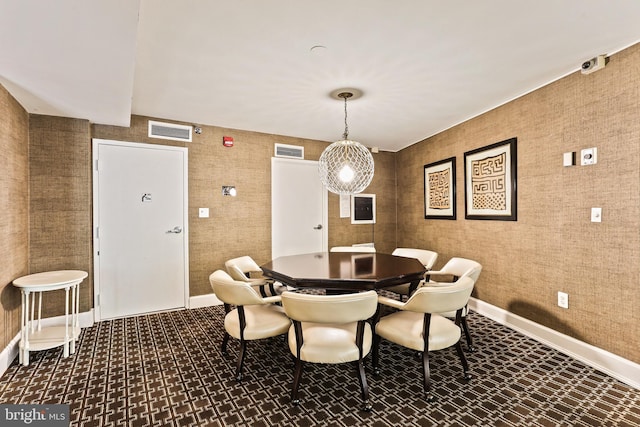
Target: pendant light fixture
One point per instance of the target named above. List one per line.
(346, 167)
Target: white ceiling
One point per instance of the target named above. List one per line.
(423, 65)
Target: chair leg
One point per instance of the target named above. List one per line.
(463, 360)
(375, 356)
(426, 375)
(243, 348)
(467, 334)
(297, 376)
(225, 340)
(364, 387)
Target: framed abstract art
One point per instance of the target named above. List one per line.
(490, 182)
(440, 189)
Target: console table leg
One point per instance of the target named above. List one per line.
(74, 317)
(25, 329)
(66, 323)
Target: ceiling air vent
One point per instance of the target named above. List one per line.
(170, 131)
(290, 151)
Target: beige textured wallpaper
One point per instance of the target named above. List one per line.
(14, 199)
(60, 203)
(553, 246)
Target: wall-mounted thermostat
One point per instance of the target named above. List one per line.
(589, 156)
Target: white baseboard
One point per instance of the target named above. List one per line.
(10, 352)
(613, 365)
(204, 301)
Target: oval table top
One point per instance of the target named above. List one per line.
(50, 279)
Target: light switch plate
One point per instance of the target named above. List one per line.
(203, 212)
(596, 214)
(569, 159)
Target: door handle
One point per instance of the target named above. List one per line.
(318, 227)
(175, 230)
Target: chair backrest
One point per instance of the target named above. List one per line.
(462, 267)
(234, 292)
(426, 258)
(344, 308)
(429, 299)
(366, 249)
(238, 267)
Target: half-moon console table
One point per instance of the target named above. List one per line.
(33, 336)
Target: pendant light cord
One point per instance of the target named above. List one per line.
(345, 135)
(345, 96)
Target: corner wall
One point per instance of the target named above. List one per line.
(553, 246)
(14, 199)
(60, 202)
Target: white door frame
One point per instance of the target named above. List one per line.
(96, 220)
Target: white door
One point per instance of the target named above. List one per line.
(140, 228)
(298, 208)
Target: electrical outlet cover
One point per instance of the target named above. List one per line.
(563, 300)
(589, 156)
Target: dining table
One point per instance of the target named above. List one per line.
(341, 272)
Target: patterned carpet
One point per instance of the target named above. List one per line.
(166, 370)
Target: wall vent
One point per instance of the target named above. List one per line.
(290, 151)
(170, 131)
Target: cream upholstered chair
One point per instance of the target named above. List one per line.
(455, 269)
(245, 269)
(426, 258)
(416, 324)
(363, 249)
(330, 329)
(254, 317)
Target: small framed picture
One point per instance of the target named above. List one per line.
(490, 182)
(363, 209)
(440, 189)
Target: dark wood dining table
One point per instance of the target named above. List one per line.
(338, 272)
